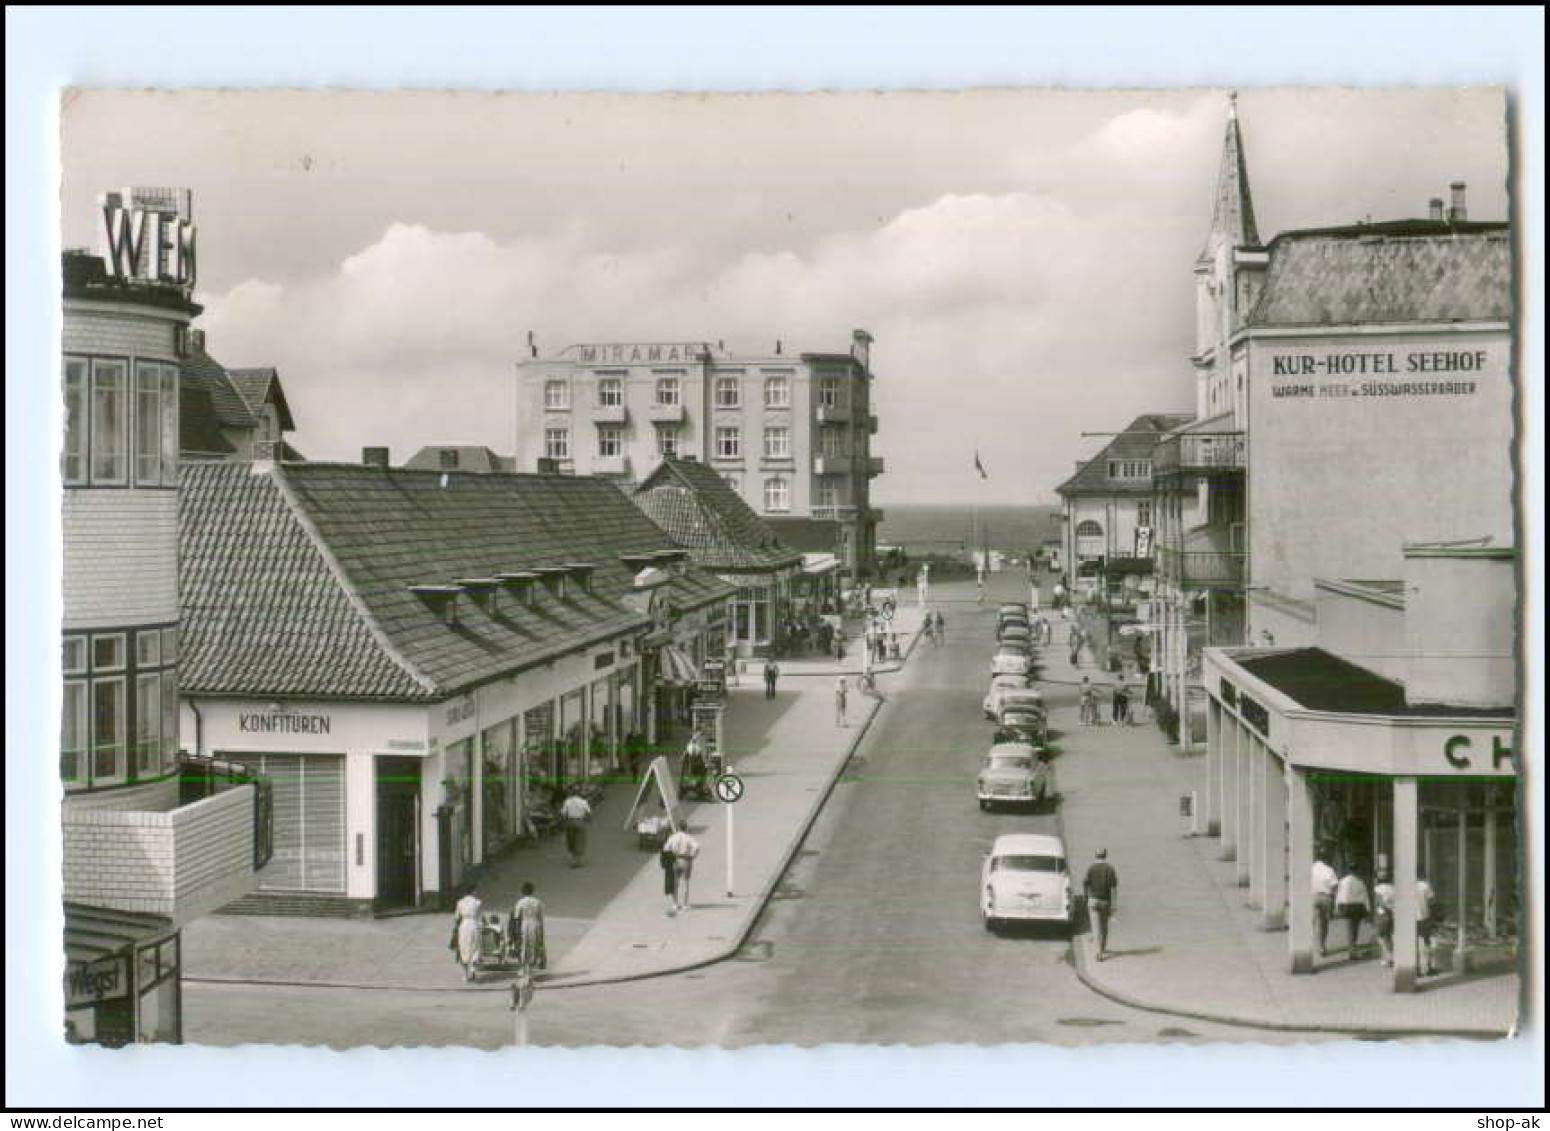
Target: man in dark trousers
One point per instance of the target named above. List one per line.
(1102, 887)
(771, 674)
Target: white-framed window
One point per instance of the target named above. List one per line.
(729, 443)
(777, 392)
(610, 441)
(557, 443)
(829, 392)
(831, 443)
(667, 440)
(148, 724)
(169, 646)
(610, 392)
(1144, 513)
(109, 421)
(669, 391)
(73, 733)
(155, 424)
(148, 649)
(1130, 469)
(169, 720)
(107, 731)
(73, 461)
(74, 655)
(777, 442)
(729, 392)
(107, 652)
(828, 494)
(777, 494)
(170, 439)
(557, 395)
(1089, 529)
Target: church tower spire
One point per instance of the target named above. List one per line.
(1232, 218)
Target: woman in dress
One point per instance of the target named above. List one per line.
(466, 932)
(527, 930)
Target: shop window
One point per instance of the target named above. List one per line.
(72, 735)
(557, 395)
(729, 443)
(610, 392)
(73, 461)
(728, 392)
(107, 652)
(777, 494)
(557, 443)
(777, 443)
(109, 421)
(777, 392)
(107, 730)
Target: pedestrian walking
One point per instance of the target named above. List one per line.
(1324, 882)
(577, 815)
(941, 628)
(771, 674)
(841, 693)
(1352, 905)
(1383, 917)
(839, 645)
(1122, 703)
(1102, 889)
(1425, 898)
(1076, 645)
(466, 936)
(893, 646)
(525, 931)
(1089, 703)
(669, 877)
(684, 849)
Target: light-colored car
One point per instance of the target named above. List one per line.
(1022, 723)
(1001, 685)
(1011, 663)
(1011, 630)
(1025, 878)
(1029, 697)
(1012, 774)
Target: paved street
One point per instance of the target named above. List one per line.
(874, 936)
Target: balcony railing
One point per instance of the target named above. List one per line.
(842, 513)
(1212, 557)
(834, 414)
(609, 414)
(831, 465)
(665, 413)
(179, 862)
(1200, 453)
(874, 465)
(611, 465)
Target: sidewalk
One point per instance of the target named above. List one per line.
(1183, 939)
(605, 921)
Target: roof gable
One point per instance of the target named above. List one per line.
(1134, 443)
(701, 511)
(261, 386)
(202, 372)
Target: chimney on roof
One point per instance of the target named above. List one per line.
(532, 344)
(861, 347)
(1458, 212)
(375, 457)
(1434, 209)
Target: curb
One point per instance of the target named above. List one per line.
(740, 935)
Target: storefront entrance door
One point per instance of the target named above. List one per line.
(398, 820)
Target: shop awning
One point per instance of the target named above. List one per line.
(677, 667)
(813, 564)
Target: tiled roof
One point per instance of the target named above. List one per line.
(386, 529)
(1408, 271)
(203, 372)
(263, 614)
(701, 512)
(1134, 443)
(470, 457)
(260, 385)
(199, 429)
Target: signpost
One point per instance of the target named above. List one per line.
(729, 787)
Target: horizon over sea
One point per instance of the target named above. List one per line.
(949, 527)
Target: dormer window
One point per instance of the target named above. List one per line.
(521, 585)
(441, 600)
(485, 592)
(553, 578)
(581, 574)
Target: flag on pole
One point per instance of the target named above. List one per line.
(979, 467)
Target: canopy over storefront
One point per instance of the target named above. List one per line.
(677, 668)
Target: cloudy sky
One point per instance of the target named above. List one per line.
(1023, 258)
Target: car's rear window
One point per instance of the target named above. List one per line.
(1011, 762)
(1028, 864)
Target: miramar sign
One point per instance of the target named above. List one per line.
(626, 353)
(1416, 373)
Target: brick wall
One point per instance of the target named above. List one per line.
(120, 557)
(179, 863)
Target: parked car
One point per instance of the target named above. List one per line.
(1011, 659)
(1014, 607)
(1013, 773)
(1001, 685)
(1011, 630)
(1022, 724)
(1025, 878)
